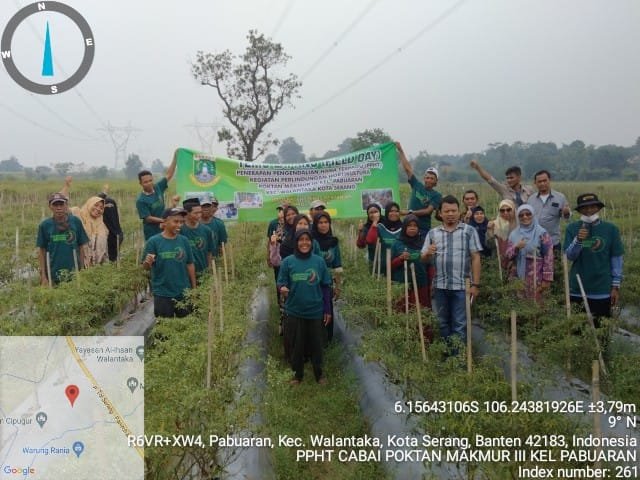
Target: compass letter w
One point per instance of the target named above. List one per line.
(6, 54)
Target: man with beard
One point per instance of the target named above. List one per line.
(61, 236)
(169, 257)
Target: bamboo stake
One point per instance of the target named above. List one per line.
(375, 258)
(75, 260)
(224, 261)
(406, 294)
(418, 311)
(233, 262)
(117, 251)
(565, 274)
(593, 326)
(595, 381)
(514, 357)
(210, 327)
(218, 280)
(17, 244)
(49, 270)
(379, 260)
(499, 257)
(467, 298)
(388, 259)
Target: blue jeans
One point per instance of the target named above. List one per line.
(451, 312)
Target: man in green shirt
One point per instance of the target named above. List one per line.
(198, 235)
(218, 230)
(150, 202)
(169, 257)
(60, 237)
(595, 248)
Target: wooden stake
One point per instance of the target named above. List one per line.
(379, 259)
(467, 298)
(595, 381)
(593, 326)
(565, 274)
(388, 259)
(210, 327)
(75, 260)
(499, 257)
(418, 311)
(233, 262)
(406, 294)
(514, 357)
(49, 270)
(376, 254)
(17, 244)
(224, 261)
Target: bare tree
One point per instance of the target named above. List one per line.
(251, 92)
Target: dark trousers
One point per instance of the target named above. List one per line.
(599, 308)
(113, 241)
(166, 307)
(308, 332)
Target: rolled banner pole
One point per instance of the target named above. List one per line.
(467, 297)
(49, 270)
(419, 312)
(585, 301)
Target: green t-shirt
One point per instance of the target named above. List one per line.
(201, 244)
(169, 276)
(304, 278)
(61, 244)
(594, 262)
(218, 234)
(397, 274)
(153, 205)
(422, 198)
(387, 239)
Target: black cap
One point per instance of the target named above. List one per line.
(587, 199)
(170, 212)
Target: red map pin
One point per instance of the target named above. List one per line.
(72, 392)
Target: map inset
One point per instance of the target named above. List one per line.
(67, 405)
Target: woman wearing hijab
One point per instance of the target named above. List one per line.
(90, 214)
(388, 231)
(408, 248)
(373, 214)
(528, 241)
(305, 281)
(478, 220)
(286, 244)
(500, 228)
(329, 249)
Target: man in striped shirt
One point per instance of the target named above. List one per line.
(454, 247)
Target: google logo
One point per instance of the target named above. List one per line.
(24, 471)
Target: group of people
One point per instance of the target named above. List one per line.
(525, 235)
(305, 257)
(77, 237)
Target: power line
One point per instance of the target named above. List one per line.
(119, 137)
(341, 37)
(206, 133)
(282, 18)
(376, 66)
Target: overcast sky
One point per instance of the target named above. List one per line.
(444, 76)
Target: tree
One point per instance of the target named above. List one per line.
(272, 158)
(157, 166)
(250, 92)
(99, 172)
(290, 151)
(63, 168)
(42, 172)
(133, 166)
(11, 165)
(370, 137)
(343, 148)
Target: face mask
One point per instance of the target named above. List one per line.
(589, 218)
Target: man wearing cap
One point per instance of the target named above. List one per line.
(61, 237)
(316, 207)
(595, 248)
(512, 189)
(169, 257)
(150, 202)
(549, 207)
(424, 199)
(198, 235)
(209, 206)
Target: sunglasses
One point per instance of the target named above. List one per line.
(524, 214)
(505, 210)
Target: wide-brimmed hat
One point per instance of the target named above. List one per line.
(587, 199)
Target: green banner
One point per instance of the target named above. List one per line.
(250, 191)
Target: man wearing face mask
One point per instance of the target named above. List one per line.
(595, 248)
